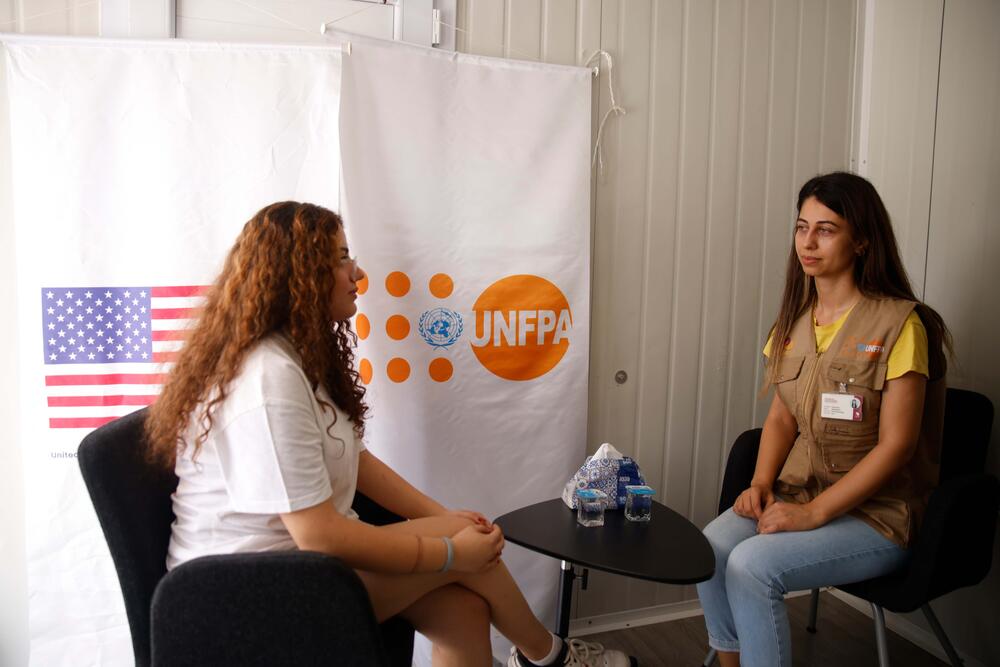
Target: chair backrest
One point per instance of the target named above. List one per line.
(968, 421)
(132, 500)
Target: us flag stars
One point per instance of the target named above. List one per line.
(106, 325)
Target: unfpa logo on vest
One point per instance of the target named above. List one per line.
(522, 326)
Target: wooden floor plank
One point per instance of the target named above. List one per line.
(844, 636)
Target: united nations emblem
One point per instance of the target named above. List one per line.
(440, 327)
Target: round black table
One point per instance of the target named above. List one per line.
(668, 549)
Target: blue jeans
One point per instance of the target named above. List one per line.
(744, 601)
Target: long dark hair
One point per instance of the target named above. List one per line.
(278, 276)
(878, 269)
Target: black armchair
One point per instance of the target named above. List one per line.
(293, 607)
(954, 546)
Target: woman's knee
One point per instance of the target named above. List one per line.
(451, 609)
(724, 534)
(749, 567)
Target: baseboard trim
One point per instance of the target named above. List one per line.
(905, 628)
(634, 618)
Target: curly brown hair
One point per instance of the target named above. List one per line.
(278, 277)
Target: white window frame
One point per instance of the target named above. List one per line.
(413, 20)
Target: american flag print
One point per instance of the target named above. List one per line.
(107, 350)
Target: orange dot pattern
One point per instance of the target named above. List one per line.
(440, 370)
(441, 285)
(362, 326)
(397, 284)
(397, 327)
(365, 370)
(398, 369)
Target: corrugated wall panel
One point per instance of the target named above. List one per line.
(731, 104)
(904, 87)
(962, 268)
(50, 17)
(559, 23)
(483, 24)
(523, 30)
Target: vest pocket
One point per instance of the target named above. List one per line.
(789, 369)
(840, 457)
(795, 472)
(868, 374)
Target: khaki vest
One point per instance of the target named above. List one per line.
(826, 449)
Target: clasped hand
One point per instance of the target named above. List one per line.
(772, 515)
(477, 547)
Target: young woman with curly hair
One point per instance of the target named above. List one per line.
(262, 419)
(850, 447)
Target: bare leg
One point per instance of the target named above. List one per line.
(457, 621)
(391, 594)
(729, 658)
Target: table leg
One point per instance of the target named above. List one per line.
(566, 576)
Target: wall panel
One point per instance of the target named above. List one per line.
(907, 48)
(962, 269)
(50, 17)
(731, 105)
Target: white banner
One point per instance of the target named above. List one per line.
(135, 165)
(466, 192)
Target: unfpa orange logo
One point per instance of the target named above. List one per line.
(520, 328)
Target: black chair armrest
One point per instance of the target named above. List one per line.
(293, 607)
(953, 549)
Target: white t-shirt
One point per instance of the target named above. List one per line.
(269, 451)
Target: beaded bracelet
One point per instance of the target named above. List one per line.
(451, 555)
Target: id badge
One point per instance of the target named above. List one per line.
(842, 406)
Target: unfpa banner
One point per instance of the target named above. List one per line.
(135, 165)
(466, 192)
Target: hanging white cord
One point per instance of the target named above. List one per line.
(49, 13)
(324, 26)
(598, 158)
(294, 26)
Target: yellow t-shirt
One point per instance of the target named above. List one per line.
(908, 354)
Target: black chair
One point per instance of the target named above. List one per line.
(287, 608)
(954, 546)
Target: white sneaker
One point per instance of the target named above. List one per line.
(583, 654)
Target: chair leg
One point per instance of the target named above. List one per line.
(813, 610)
(942, 637)
(710, 658)
(880, 639)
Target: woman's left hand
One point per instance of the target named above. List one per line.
(782, 517)
(474, 517)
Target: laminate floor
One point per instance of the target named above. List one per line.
(844, 636)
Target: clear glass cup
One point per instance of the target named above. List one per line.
(638, 503)
(590, 504)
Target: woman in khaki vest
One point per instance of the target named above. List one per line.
(850, 446)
